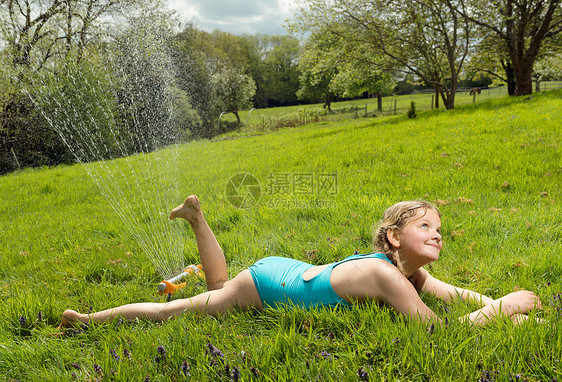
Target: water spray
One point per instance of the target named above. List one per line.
(171, 285)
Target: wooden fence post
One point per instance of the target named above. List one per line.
(15, 157)
(395, 107)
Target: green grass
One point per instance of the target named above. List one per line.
(495, 169)
(260, 120)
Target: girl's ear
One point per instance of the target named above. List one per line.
(393, 238)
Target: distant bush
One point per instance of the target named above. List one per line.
(412, 110)
(26, 140)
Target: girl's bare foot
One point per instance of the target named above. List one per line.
(190, 210)
(71, 317)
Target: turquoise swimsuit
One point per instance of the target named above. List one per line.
(279, 280)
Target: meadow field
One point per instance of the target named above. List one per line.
(260, 120)
(494, 168)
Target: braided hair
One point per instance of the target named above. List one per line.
(396, 217)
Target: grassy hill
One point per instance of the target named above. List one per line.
(81, 237)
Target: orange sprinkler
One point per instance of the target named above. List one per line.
(170, 286)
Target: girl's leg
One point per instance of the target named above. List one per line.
(239, 292)
(210, 252)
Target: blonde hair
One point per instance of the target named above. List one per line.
(396, 217)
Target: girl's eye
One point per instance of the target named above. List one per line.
(424, 226)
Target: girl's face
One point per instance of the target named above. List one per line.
(421, 236)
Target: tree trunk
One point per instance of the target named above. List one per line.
(524, 81)
(510, 75)
(328, 104)
(379, 101)
(437, 95)
(450, 101)
(235, 112)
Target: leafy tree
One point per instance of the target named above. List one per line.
(317, 74)
(148, 90)
(549, 62)
(281, 70)
(193, 76)
(233, 90)
(491, 59)
(522, 26)
(427, 38)
(40, 31)
(273, 64)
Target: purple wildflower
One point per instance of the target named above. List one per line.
(325, 354)
(23, 321)
(430, 329)
(185, 368)
(235, 375)
(98, 369)
(362, 374)
(161, 350)
(39, 316)
(76, 365)
(126, 353)
(213, 351)
(114, 355)
(255, 371)
(147, 379)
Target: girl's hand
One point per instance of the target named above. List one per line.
(520, 302)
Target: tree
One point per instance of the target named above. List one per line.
(427, 38)
(549, 62)
(316, 73)
(491, 59)
(38, 31)
(333, 65)
(233, 90)
(193, 76)
(522, 25)
(280, 63)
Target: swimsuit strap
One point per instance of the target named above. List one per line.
(325, 274)
(374, 255)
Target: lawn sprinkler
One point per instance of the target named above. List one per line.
(171, 286)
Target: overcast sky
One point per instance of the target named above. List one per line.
(236, 16)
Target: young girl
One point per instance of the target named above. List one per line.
(408, 239)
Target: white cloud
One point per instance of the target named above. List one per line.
(236, 16)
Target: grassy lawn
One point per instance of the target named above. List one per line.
(89, 237)
(259, 120)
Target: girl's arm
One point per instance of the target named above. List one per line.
(424, 282)
(514, 306)
(392, 288)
